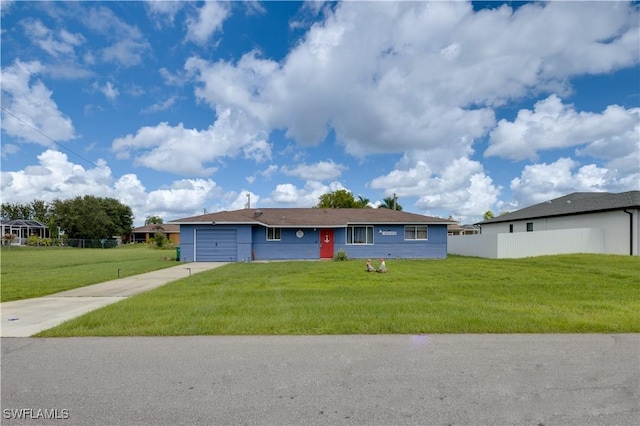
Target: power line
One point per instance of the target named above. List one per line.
(27, 124)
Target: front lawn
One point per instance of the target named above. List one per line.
(551, 294)
(39, 271)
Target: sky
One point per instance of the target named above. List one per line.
(181, 108)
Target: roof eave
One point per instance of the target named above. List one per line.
(610, 209)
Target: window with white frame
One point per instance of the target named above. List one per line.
(415, 232)
(359, 234)
(273, 234)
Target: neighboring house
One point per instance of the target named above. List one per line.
(144, 234)
(17, 231)
(458, 229)
(582, 222)
(311, 233)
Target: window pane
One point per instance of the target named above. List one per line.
(359, 235)
(273, 233)
(350, 235)
(421, 232)
(369, 234)
(409, 232)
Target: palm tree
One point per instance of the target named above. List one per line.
(153, 220)
(363, 202)
(391, 203)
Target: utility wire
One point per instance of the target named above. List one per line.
(25, 123)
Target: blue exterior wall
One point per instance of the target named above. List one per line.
(289, 246)
(395, 246)
(388, 242)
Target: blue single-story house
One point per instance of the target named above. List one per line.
(311, 233)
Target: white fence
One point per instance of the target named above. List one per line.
(525, 244)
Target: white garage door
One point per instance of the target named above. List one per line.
(216, 245)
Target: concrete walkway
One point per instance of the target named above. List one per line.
(23, 318)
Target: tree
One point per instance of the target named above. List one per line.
(362, 202)
(92, 217)
(36, 210)
(16, 211)
(488, 215)
(391, 203)
(153, 220)
(337, 199)
(40, 211)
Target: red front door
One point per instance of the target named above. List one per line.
(326, 243)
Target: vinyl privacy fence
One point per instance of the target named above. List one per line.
(526, 244)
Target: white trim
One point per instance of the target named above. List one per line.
(195, 255)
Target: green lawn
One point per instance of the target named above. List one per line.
(551, 294)
(38, 271)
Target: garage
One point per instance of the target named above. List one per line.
(216, 245)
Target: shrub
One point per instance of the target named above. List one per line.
(161, 241)
(340, 255)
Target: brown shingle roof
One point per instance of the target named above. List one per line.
(312, 217)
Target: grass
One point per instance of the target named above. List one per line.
(38, 271)
(552, 294)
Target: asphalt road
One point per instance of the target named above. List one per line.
(323, 380)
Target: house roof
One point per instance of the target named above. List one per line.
(572, 204)
(313, 217)
(23, 223)
(164, 227)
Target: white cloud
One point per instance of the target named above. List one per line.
(187, 151)
(461, 188)
(33, 104)
(541, 182)
(238, 200)
(209, 20)
(110, 91)
(102, 20)
(292, 196)
(266, 173)
(57, 44)
(56, 177)
(163, 11)
(125, 52)
(322, 170)
(8, 149)
(554, 125)
(223, 84)
(172, 79)
(254, 7)
(394, 76)
(5, 5)
(128, 45)
(161, 106)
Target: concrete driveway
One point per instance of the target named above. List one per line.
(522, 379)
(23, 318)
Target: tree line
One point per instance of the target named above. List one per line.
(344, 199)
(85, 217)
(92, 217)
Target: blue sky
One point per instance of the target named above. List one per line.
(175, 108)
